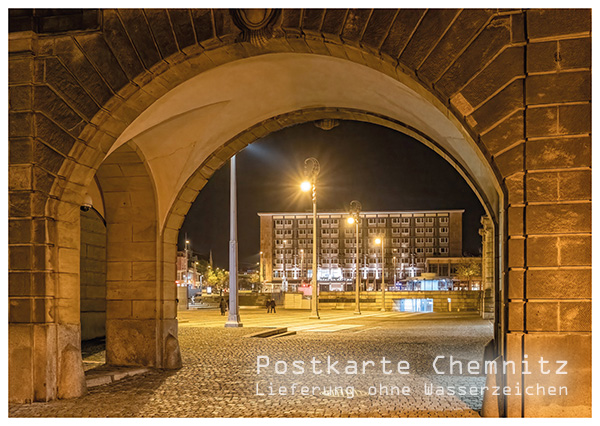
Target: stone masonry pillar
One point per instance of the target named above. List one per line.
(487, 268)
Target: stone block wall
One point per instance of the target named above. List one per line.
(93, 275)
(546, 166)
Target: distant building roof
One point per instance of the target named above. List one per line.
(362, 212)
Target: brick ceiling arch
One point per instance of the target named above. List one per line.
(97, 74)
(182, 128)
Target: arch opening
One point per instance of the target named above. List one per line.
(182, 138)
(336, 281)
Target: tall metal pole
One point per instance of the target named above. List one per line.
(233, 320)
(260, 271)
(302, 266)
(284, 279)
(382, 273)
(314, 313)
(357, 289)
(355, 208)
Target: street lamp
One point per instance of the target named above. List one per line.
(354, 218)
(284, 279)
(311, 171)
(380, 241)
(302, 266)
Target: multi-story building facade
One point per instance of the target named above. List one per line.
(409, 239)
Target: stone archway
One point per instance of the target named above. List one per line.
(172, 131)
(66, 120)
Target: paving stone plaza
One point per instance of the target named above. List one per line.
(219, 377)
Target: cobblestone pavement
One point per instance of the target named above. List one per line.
(219, 377)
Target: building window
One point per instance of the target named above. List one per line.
(304, 222)
(443, 220)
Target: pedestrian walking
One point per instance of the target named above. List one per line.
(268, 305)
(223, 306)
(273, 306)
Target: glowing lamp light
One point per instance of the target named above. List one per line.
(377, 240)
(350, 220)
(305, 186)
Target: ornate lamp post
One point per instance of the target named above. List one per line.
(311, 171)
(354, 218)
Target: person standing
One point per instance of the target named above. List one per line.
(223, 306)
(268, 305)
(273, 306)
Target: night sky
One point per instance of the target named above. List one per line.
(382, 168)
